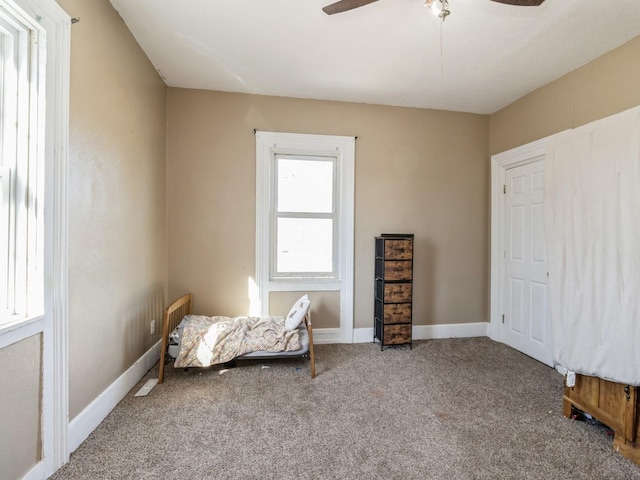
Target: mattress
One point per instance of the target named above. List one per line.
(174, 345)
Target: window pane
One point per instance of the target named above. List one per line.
(304, 245)
(305, 186)
(5, 231)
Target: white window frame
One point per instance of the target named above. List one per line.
(333, 215)
(52, 26)
(342, 148)
(23, 100)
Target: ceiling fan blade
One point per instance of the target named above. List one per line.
(521, 3)
(344, 5)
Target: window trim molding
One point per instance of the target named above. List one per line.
(56, 246)
(56, 24)
(308, 144)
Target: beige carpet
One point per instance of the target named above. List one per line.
(448, 409)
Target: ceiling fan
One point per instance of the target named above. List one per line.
(345, 5)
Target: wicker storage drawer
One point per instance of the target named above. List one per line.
(393, 312)
(395, 270)
(398, 249)
(397, 292)
(397, 334)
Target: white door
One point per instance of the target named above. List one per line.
(526, 321)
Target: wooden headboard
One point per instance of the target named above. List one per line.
(173, 314)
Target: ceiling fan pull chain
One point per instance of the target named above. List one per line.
(441, 50)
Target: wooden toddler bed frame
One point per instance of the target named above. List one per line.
(175, 312)
(615, 404)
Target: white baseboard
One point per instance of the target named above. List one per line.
(426, 332)
(36, 473)
(452, 330)
(326, 335)
(363, 335)
(87, 420)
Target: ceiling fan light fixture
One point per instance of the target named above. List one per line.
(440, 8)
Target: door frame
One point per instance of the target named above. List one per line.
(500, 163)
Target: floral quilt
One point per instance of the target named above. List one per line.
(208, 341)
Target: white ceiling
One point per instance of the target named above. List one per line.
(391, 52)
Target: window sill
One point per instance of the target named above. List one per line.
(301, 279)
(19, 328)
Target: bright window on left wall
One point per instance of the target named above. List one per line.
(21, 167)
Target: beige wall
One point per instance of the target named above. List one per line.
(607, 85)
(117, 213)
(419, 171)
(20, 387)
(325, 306)
(117, 229)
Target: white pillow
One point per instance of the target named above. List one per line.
(297, 313)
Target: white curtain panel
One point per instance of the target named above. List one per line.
(592, 234)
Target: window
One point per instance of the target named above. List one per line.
(34, 44)
(21, 167)
(305, 220)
